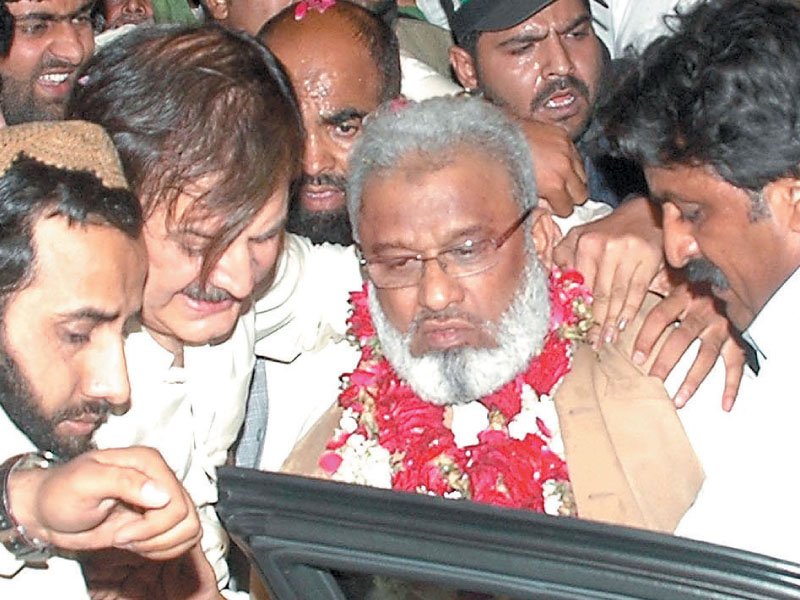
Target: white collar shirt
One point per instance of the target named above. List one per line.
(750, 497)
(190, 414)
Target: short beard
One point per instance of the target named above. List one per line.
(463, 374)
(20, 104)
(320, 227)
(22, 406)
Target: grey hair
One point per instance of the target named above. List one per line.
(435, 131)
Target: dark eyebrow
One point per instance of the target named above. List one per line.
(38, 16)
(527, 38)
(90, 314)
(577, 22)
(344, 115)
(522, 38)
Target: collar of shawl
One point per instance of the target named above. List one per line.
(503, 449)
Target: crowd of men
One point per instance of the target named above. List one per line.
(185, 210)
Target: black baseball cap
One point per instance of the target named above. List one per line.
(492, 15)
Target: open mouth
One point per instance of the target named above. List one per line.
(322, 198)
(561, 100)
(208, 306)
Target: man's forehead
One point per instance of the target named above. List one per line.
(453, 196)
(49, 7)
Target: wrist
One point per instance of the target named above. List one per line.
(20, 531)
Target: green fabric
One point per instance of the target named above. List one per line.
(176, 12)
(411, 12)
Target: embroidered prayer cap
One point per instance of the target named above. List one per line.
(469, 16)
(68, 145)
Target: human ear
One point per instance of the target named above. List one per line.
(217, 8)
(464, 67)
(546, 236)
(782, 198)
(793, 193)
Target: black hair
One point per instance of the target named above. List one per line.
(6, 28)
(184, 102)
(31, 190)
(372, 31)
(723, 90)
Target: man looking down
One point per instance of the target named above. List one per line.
(712, 114)
(73, 266)
(455, 390)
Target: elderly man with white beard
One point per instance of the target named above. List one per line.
(465, 339)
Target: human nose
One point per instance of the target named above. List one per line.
(437, 290)
(679, 242)
(134, 7)
(558, 61)
(318, 156)
(70, 44)
(234, 271)
(107, 374)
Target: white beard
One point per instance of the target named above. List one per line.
(463, 374)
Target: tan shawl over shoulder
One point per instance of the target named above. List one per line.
(629, 459)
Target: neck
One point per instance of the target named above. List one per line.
(169, 343)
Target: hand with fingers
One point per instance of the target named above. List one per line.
(560, 174)
(120, 575)
(619, 256)
(123, 498)
(688, 315)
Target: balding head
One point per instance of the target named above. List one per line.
(343, 63)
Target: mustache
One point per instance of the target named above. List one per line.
(702, 270)
(324, 179)
(93, 408)
(209, 293)
(557, 85)
(51, 62)
(446, 314)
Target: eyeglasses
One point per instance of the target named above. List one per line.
(468, 258)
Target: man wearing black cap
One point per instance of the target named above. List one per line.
(540, 60)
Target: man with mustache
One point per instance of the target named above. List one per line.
(343, 63)
(208, 130)
(73, 266)
(543, 64)
(460, 322)
(118, 13)
(712, 115)
(50, 41)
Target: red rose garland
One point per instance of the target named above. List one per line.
(391, 430)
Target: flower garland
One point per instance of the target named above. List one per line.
(504, 449)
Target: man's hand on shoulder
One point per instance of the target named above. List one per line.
(619, 256)
(683, 316)
(124, 498)
(560, 175)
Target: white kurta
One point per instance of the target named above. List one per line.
(63, 577)
(300, 327)
(752, 490)
(191, 414)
